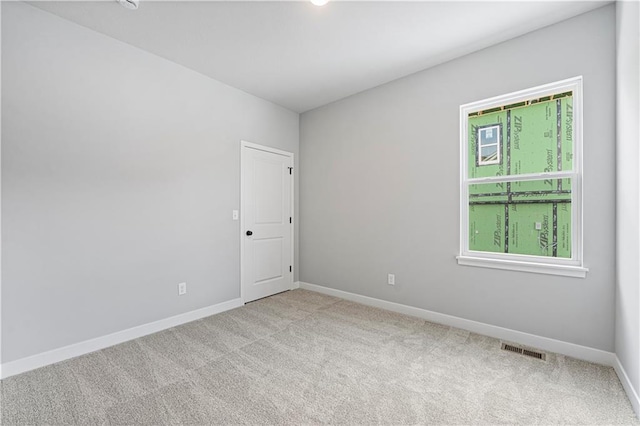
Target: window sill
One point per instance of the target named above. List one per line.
(514, 265)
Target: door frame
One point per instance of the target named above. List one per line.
(244, 145)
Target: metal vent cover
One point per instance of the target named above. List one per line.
(532, 353)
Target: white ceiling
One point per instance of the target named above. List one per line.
(301, 56)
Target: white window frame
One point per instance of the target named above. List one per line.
(498, 145)
(572, 267)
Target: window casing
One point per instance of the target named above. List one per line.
(521, 181)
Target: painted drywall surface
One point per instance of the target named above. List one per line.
(120, 171)
(0, 194)
(627, 330)
(380, 188)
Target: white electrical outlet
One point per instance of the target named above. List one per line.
(391, 279)
(235, 215)
(182, 289)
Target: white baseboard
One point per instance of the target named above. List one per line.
(557, 346)
(296, 284)
(61, 354)
(628, 387)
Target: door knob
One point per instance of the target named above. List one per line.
(249, 233)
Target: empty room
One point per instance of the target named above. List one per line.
(320, 212)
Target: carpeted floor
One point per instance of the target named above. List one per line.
(304, 358)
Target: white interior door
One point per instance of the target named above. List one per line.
(267, 228)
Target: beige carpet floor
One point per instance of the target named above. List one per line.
(305, 358)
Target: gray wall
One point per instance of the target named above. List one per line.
(380, 188)
(119, 174)
(628, 190)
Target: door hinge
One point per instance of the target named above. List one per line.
(290, 170)
(290, 268)
(290, 219)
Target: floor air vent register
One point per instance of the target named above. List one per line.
(522, 351)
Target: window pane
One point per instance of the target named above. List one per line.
(483, 130)
(488, 135)
(528, 217)
(489, 154)
(536, 137)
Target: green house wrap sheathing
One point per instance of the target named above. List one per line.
(523, 217)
